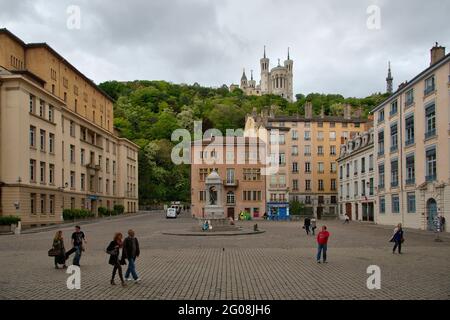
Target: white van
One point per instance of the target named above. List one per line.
(171, 213)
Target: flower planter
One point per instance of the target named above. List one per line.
(8, 228)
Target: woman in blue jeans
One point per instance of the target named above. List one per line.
(398, 239)
(131, 252)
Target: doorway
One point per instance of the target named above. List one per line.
(348, 210)
(431, 214)
(230, 213)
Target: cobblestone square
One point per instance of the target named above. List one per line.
(276, 265)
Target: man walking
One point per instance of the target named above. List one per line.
(322, 241)
(78, 238)
(307, 225)
(131, 252)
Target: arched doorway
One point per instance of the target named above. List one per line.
(431, 214)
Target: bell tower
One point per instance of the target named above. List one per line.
(265, 83)
(289, 65)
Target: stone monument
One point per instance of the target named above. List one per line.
(214, 210)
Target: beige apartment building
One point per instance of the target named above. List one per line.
(412, 149)
(238, 163)
(58, 148)
(308, 152)
(357, 178)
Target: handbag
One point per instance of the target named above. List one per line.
(54, 252)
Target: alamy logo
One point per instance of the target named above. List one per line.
(374, 19)
(74, 17)
(374, 280)
(74, 280)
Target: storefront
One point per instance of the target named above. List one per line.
(278, 210)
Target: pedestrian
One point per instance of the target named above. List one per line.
(398, 239)
(307, 225)
(78, 241)
(347, 219)
(58, 246)
(313, 226)
(442, 223)
(131, 252)
(114, 251)
(322, 244)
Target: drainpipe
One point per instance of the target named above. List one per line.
(400, 160)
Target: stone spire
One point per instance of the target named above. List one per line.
(289, 57)
(389, 80)
(264, 52)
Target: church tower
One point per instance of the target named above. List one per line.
(389, 81)
(265, 74)
(244, 82)
(289, 65)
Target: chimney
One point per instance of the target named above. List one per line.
(437, 53)
(308, 110)
(347, 112)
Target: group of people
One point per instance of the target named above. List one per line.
(120, 252)
(323, 236)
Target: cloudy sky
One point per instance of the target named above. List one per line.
(211, 41)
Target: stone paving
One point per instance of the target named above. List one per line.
(278, 264)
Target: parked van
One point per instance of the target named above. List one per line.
(171, 213)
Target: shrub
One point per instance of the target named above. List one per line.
(8, 220)
(119, 209)
(71, 214)
(102, 211)
(296, 208)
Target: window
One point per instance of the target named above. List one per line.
(320, 151)
(409, 98)
(51, 114)
(307, 151)
(114, 167)
(231, 198)
(409, 125)
(411, 203)
(294, 135)
(42, 108)
(333, 168)
(430, 116)
(332, 150)
(72, 153)
(32, 137)
(382, 201)
(363, 165)
(333, 185)
(51, 174)
(51, 206)
(321, 167)
(230, 176)
(381, 143)
(431, 165)
(395, 203)
(381, 176)
(295, 185)
(72, 129)
(32, 104)
(107, 165)
(83, 157)
(51, 143)
(308, 185)
(371, 186)
(252, 174)
(394, 173)
(282, 159)
(307, 167)
(107, 186)
(341, 172)
(295, 150)
(333, 135)
(394, 137)
(42, 203)
(72, 179)
(42, 140)
(355, 167)
(429, 85)
(410, 170)
(295, 167)
(83, 182)
(282, 138)
(321, 186)
(381, 116)
(394, 108)
(348, 170)
(371, 162)
(320, 135)
(355, 188)
(32, 170)
(363, 188)
(307, 135)
(42, 172)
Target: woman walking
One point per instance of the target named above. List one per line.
(58, 245)
(114, 251)
(398, 239)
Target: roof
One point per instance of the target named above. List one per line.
(30, 75)
(413, 81)
(46, 46)
(317, 119)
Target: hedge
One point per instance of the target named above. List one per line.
(71, 214)
(119, 209)
(9, 220)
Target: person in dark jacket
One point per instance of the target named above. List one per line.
(114, 251)
(130, 252)
(398, 239)
(307, 225)
(58, 244)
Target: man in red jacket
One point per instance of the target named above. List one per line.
(322, 241)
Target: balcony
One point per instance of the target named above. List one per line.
(429, 90)
(231, 183)
(430, 134)
(409, 142)
(380, 153)
(394, 184)
(278, 186)
(394, 149)
(410, 182)
(431, 178)
(409, 103)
